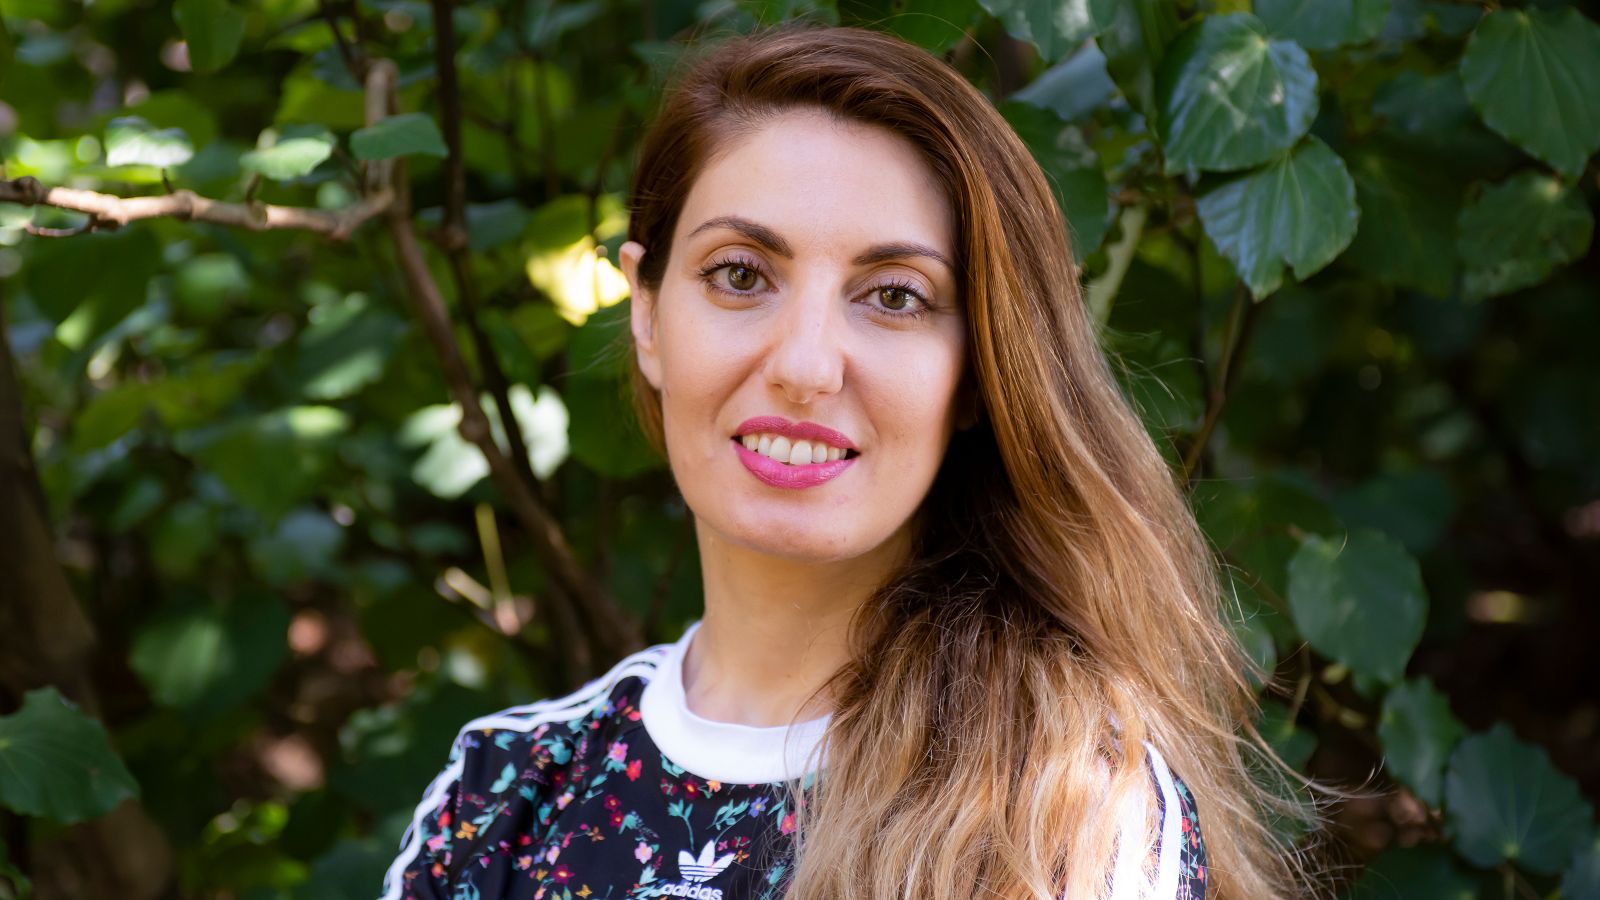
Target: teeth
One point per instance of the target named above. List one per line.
(794, 453)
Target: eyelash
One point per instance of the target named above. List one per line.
(923, 305)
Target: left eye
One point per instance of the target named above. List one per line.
(896, 298)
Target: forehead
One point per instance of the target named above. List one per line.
(824, 182)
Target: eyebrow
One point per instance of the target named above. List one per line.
(771, 240)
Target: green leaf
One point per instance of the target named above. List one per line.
(403, 135)
(205, 659)
(304, 545)
(1533, 75)
(1413, 506)
(57, 763)
(272, 461)
(1053, 26)
(212, 29)
(934, 25)
(1134, 44)
(346, 347)
(1074, 173)
(1415, 873)
(131, 141)
(1581, 880)
(1229, 97)
(1294, 744)
(1418, 731)
(1506, 801)
(1324, 24)
(1517, 232)
(1408, 207)
(8, 51)
(1073, 87)
(1360, 601)
(1300, 209)
(294, 153)
(86, 301)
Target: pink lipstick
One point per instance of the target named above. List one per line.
(783, 475)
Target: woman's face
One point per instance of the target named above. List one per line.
(809, 304)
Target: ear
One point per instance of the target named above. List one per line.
(643, 314)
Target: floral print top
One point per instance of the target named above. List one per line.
(618, 790)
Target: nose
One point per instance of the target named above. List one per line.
(806, 359)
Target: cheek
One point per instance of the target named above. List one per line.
(914, 394)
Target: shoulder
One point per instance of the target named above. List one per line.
(615, 691)
(1169, 864)
(501, 756)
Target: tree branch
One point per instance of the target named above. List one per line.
(107, 210)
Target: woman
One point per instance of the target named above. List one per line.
(961, 632)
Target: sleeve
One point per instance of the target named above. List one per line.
(421, 871)
(1181, 866)
(1167, 865)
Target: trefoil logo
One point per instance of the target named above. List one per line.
(695, 872)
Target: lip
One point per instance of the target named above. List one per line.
(781, 475)
(808, 431)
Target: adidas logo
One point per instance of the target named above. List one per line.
(695, 871)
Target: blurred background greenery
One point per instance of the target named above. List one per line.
(295, 482)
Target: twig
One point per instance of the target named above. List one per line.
(454, 240)
(1241, 323)
(106, 210)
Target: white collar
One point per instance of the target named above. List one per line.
(721, 751)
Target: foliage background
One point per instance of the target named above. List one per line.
(1342, 251)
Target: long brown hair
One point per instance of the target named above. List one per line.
(1061, 606)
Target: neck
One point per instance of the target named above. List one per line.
(775, 630)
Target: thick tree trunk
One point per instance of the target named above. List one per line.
(46, 639)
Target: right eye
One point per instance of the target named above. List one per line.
(734, 277)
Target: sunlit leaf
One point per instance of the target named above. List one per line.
(1533, 75)
(1298, 210)
(1230, 97)
(1360, 600)
(295, 152)
(408, 134)
(131, 141)
(1506, 801)
(57, 763)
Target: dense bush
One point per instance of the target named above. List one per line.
(325, 448)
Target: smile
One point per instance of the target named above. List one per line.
(792, 455)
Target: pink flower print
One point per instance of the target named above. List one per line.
(787, 825)
(524, 862)
(616, 820)
(634, 768)
(550, 856)
(612, 803)
(642, 852)
(562, 873)
(618, 752)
